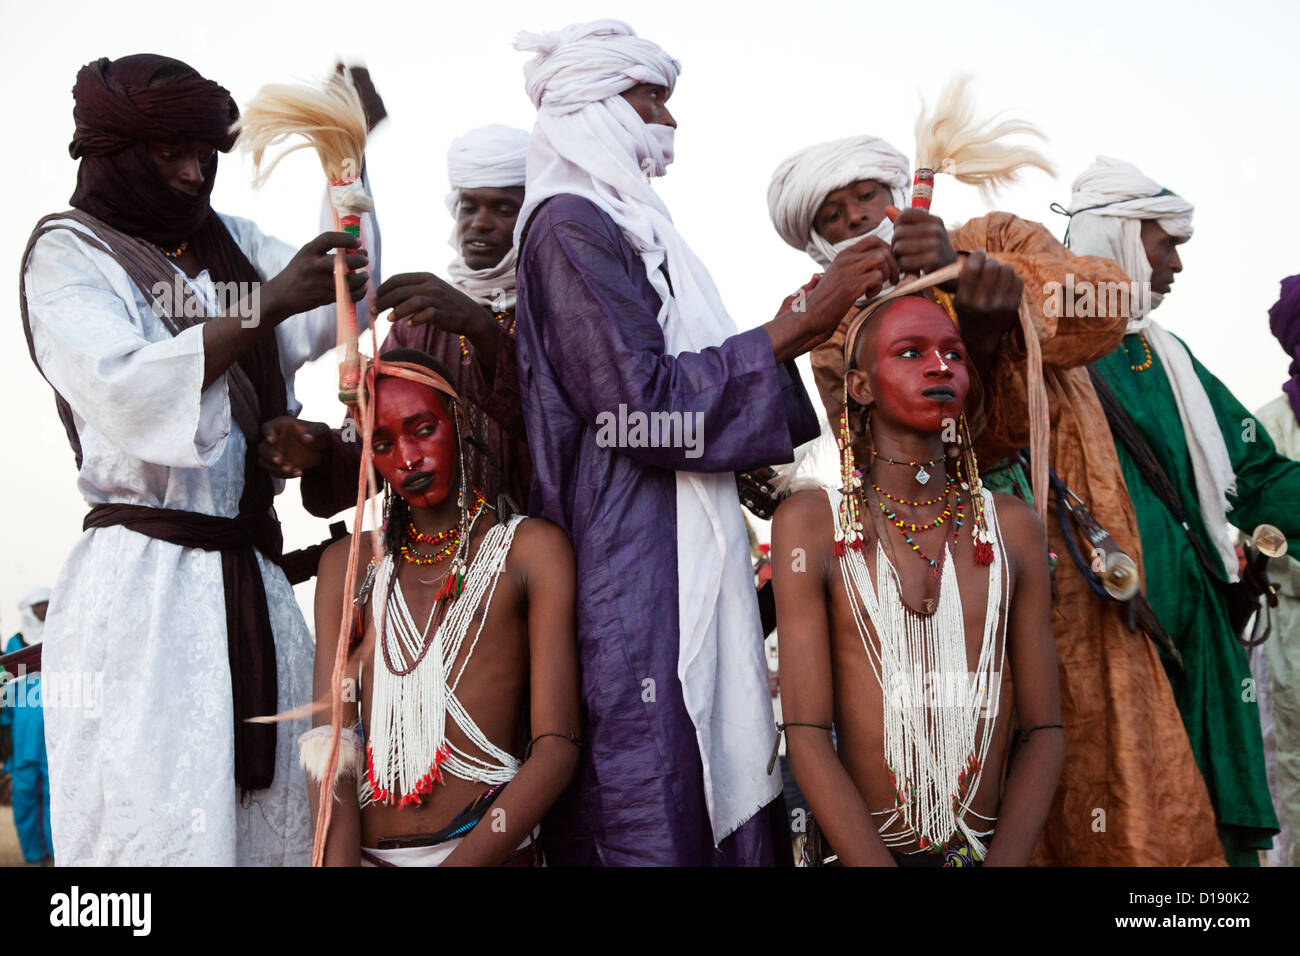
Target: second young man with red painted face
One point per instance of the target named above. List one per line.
(915, 723)
(450, 784)
(1140, 770)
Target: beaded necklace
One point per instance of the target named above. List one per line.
(934, 751)
(452, 537)
(180, 250)
(1146, 363)
(415, 682)
(922, 476)
(505, 321)
(907, 529)
(914, 504)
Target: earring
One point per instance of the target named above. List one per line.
(848, 533)
(460, 455)
(455, 582)
(980, 534)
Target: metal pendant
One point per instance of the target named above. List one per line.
(922, 476)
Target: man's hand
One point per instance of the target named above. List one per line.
(799, 295)
(860, 270)
(987, 305)
(988, 292)
(420, 297)
(290, 446)
(921, 243)
(308, 280)
(370, 99)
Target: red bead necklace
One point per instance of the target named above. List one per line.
(451, 536)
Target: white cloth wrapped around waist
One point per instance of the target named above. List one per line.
(426, 855)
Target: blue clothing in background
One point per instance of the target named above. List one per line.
(22, 712)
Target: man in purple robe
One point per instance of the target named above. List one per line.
(641, 401)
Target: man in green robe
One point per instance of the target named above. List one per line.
(1221, 466)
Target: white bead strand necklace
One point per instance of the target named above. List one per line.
(934, 749)
(408, 750)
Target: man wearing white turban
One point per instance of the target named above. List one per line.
(1192, 438)
(1139, 772)
(846, 183)
(641, 402)
(467, 323)
(21, 710)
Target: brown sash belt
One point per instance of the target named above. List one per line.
(250, 643)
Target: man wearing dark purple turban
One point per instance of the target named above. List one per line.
(169, 333)
(1281, 653)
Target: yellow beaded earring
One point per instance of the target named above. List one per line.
(968, 474)
(848, 533)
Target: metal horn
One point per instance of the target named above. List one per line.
(1269, 540)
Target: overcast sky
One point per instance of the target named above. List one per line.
(1199, 95)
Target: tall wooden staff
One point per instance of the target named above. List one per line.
(950, 140)
(331, 120)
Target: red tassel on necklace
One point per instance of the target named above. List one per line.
(983, 553)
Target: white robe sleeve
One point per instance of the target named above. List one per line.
(142, 391)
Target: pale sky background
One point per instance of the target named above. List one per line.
(1201, 96)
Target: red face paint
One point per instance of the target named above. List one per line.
(922, 377)
(414, 442)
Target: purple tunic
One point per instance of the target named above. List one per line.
(588, 341)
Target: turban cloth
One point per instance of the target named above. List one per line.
(33, 596)
(590, 142)
(589, 62)
(121, 106)
(1284, 320)
(1109, 201)
(1108, 204)
(803, 181)
(490, 156)
(32, 627)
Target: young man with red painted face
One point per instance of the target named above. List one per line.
(466, 322)
(1131, 796)
(904, 641)
(498, 659)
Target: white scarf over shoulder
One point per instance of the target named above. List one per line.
(1110, 199)
(489, 156)
(803, 181)
(590, 142)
